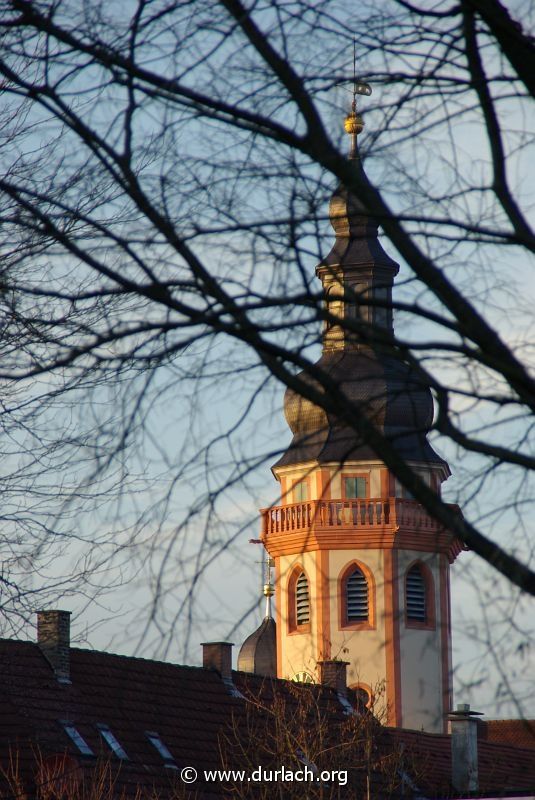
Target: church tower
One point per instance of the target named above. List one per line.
(361, 570)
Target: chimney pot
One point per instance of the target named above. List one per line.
(333, 674)
(218, 655)
(464, 756)
(54, 640)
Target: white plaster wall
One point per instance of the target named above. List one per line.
(298, 649)
(364, 649)
(375, 483)
(421, 680)
(420, 656)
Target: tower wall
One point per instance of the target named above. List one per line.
(405, 665)
(424, 650)
(297, 650)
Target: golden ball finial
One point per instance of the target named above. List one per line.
(353, 123)
(268, 590)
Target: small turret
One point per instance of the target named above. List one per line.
(258, 653)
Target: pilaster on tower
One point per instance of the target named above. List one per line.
(361, 570)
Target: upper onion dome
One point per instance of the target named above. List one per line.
(356, 244)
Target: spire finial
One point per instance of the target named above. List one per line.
(268, 586)
(353, 123)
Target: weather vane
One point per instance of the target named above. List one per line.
(354, 123)
(268, 564)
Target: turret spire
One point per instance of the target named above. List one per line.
(269, 591)
(357, 277)
(258, 653)
(353, 123)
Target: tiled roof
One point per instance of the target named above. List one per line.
(519, 732)
(198, 719)
(184, 705)
(503, 769)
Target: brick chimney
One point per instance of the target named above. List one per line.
(54, 640)
(218, 655)
(464, 766)
(333, 674)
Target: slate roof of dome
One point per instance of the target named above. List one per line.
(381, 387)
(258, 653)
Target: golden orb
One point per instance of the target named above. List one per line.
(353, 123)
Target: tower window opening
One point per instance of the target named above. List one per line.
(355, 488)
(335, 308)
(300, 491)
(302, 601)
(381, 311)
(357, 307)
(404, 493)
(357, 597)
(415, 595)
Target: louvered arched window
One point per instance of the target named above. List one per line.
(302, 600)
(416, 595)
(357, 596)
(298, 601)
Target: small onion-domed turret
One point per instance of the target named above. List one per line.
(258, 653)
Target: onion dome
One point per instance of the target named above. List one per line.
(377, 385)
(258, 653)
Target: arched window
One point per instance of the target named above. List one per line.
(419, 597)
(298, 602)
(302, 601)
(357, 597)
(334, 307)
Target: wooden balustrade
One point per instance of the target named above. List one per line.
(362, 513)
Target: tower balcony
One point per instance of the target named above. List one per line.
(390, 522)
